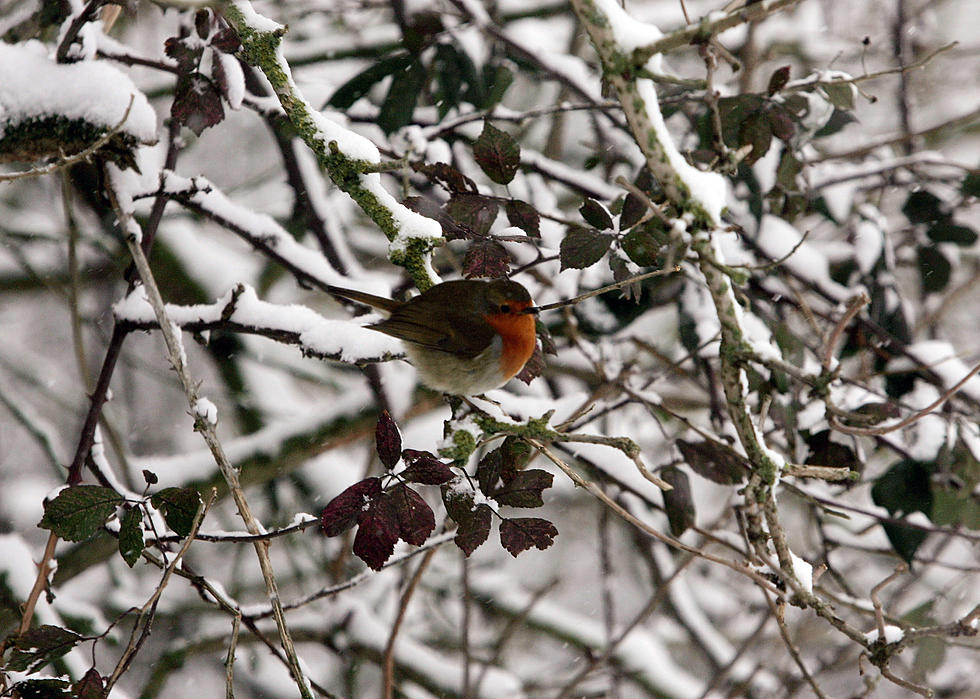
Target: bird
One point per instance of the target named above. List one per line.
(464, 337)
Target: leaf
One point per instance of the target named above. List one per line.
(486, 258)
(358, 86)
(633, 210)
(131, 535)
(43, 689)
(492, 470)
(523, 216)
(472, 520)
(497, 154)
(90, 686)
(496, 80)
(971, 185)
(342, 512)
(596, 215)
(525, 489)
(447, 78)
(197, 102)
(781, 122)
(734, 111)
(714, 461)
(425, 468)
(533, 367)
(755, 131)
(515, 454)
(838, 120)
(903, 489)
(679, 502)
(583, 247)
(824, 452)
(641, 246)
(378, 530)
(519, 534)
(786, 173)
(475, 212)
(949, 232)
(37, 647)
(934, 269)
(403, 94)
(387, 440)
(454, 180)
(226, 40)
(922, 206)
(778, 80)
(76, 513)
(415, 518)
(841, 95)
(179, 507)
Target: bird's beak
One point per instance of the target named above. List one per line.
(530, 310)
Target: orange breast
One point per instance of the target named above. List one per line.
(517, 333)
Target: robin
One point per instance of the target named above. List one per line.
(464, 337)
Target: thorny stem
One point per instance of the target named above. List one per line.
(388, 664)
(175, 354)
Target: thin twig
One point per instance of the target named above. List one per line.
(603, 290)
(900, 569)
(388, 663)
(854, 306)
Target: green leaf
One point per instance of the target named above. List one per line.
(179, 507)
(734, 111)
(36, 647)
(841, 95)
(755, 131)
(583, 247)
(447, 78)
(358, 86)
(837, 121)
(475, 212)
(949, 232)
(714, 461)
(922, 207)
(596, 215)
(43, 689)
(76, 513)
(903, 489)
(642, 246)
(679, 502)
(497, 154)
(131, 535)
(403, 94)
(496, 80)
(934, 269)
(971, 185)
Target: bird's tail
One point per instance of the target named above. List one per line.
(379, 302)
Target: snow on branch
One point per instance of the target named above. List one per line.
(347, 157)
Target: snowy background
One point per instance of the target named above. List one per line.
(872, 185)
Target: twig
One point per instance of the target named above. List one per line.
(900, 569)
(230, 658)
(603, 290)
(778, 608)
(146, 612)
(854, 306)
(175, 354)
(388, 664)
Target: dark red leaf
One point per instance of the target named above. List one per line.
(90, 686)
(197, 103)
(533, 368)
(454, 180)
(778, 80)
(524, 489)
(523, 216)
(583, 247)
(596, 215)
(486, 258)
(377, 533)
(519, 534)
(342, 512)
(473, 531)
(782, 123)
(202, 23)
(755, 131)
(425, 468)
(633, 210)
(226, 40)
(491, 470)
(497, 153)
(473, 212)
(415, 518)
(388, 440)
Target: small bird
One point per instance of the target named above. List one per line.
(464, 337)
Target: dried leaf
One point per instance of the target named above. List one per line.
(342, 512)
(388, 440)
(497, 154)
(519, 534)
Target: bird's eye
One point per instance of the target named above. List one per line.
(505, 308)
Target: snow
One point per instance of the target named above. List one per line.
(803, 572)
(206, 409)
(32, 86)
(777, 238)
(893, 634)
